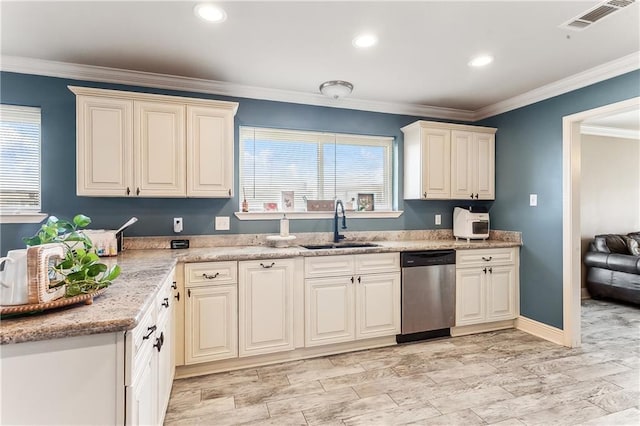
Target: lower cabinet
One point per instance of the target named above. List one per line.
(265, 311)
(211, 312)
(360, 301)
(486, 285)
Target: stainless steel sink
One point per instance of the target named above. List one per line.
(338, 246)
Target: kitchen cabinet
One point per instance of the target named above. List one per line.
(448, 161)
(144, 145)
(265, 311)
(351, 297)
(472, 165)
(486, 285)
(211, 311)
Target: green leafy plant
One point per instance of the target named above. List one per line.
(80, 269)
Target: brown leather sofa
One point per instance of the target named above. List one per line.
(613, 262)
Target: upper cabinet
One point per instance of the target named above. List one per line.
(143, 145)
(448, 161)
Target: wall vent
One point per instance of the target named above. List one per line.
(596, 13)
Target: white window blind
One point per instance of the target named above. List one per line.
(315, 166)
(19, 159)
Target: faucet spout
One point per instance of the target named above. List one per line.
(336, 235)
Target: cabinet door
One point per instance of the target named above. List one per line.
(165, 355)
(377, 305)
(485, 159)
(211, 323)
(104, 146)
(470, 296)
(501, 291)
(159, 141)
(265, 299)
(141, 396)
(209, 152)
(462, 165)
(436, 163)
(329, 310)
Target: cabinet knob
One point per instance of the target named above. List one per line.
(177, 296)
(476, 196)
(484, 270)
(491, 270)
(128, 191)
(424, 195)
(188, 292)
(151, 330)
(267, 266)
(229, 193)
(352, 280)
(211, 277)
(174, 285)
(137, 191)
(359, 279)
(166, 302)
(471, 196)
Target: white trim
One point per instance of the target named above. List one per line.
(22, 217)
(591, 76)
(571, 177)
(317, 215)
(465, 330)
(610, 132)
(539, 329)
(146, 79)
(170, 82)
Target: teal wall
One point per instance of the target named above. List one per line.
(156, 215)
(529, 161)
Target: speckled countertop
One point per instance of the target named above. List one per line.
(143, 272)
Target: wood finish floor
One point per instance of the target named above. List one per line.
(507, 378)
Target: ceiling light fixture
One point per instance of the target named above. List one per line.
(210, 13)
(336, 89)
(481, 61)
(365, 40)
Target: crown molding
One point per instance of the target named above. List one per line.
(164, 81)
(611, 132)
(577, 81)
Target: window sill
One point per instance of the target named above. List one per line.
(22, 217)
(317, 215)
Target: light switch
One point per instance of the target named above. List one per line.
(438, 219)
(222, 223)
(533, 200)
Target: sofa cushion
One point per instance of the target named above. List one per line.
(633, 246)
(611, 243)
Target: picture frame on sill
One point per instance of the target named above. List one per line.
(288, 202)
(365, 202)
(270, 207)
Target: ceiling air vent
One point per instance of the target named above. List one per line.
(596, 13)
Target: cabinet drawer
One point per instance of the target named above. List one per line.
(328, 266)
(143, 337)
(211, 273)
(377, 262)
(165, 300)
(478, 257)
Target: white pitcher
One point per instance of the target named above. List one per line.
(13, 278)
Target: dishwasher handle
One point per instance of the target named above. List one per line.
(410, 259)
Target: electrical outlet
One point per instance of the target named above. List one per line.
(177, 224)
(222, 223)
(533, 200)
(438, 219)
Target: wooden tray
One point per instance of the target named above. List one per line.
(59, 303)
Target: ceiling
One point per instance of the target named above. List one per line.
(421, 57)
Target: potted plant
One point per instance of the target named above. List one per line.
(80, 269)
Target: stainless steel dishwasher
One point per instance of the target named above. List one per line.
(428, 294)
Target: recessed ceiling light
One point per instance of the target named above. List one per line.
(210, 13)
(365, 40)
(481, 61)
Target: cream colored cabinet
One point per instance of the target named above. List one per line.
(486, 285)
(472, 165)
(266, 306)
(142, 395)
(144, 145)
(351, 297)
(211, 311)
(448, 161)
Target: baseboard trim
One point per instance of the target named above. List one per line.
(544, 331)
(481, 328)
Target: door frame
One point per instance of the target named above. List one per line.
(571, 180)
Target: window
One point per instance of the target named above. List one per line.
(19, 160)
(315, 166)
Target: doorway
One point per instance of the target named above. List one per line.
(571, 238)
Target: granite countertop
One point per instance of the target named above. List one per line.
(143, 271)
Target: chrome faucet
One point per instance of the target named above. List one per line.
(336, 235)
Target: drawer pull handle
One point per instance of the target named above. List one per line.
(487, 259)
(177, 296)
(211, 277)
(491, 270)
(484, 270)
(268, 266)
(174, 285)
(137, 191)
(359, 279)
(128, 191)
(159, 342)
(352, 280)
(151, 330)
(476, 195)
(166, 302)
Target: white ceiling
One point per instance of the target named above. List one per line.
(421, 58)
